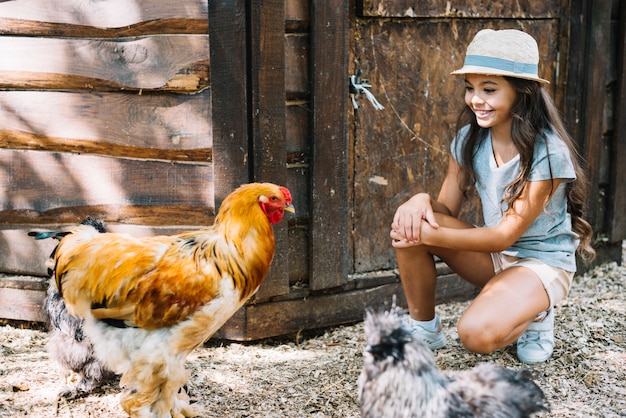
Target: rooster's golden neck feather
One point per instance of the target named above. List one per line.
(244, 220)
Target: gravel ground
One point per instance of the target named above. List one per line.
(315, 375)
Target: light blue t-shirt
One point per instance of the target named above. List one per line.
(549, 238)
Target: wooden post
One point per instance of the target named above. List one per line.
(229, 99)
(267, 118)
(329, 125)
(617, 228)
(586, 91)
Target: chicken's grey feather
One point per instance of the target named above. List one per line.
(400, 378)
(67, 345)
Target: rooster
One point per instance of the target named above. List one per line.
(400, 379)
(67, 343)
(148, 302)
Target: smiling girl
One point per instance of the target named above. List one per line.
(511, 146)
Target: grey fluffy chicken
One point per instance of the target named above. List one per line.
(400, 379)
(68, 345)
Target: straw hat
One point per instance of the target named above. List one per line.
(506, 52)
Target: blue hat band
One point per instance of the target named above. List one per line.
(501, 64)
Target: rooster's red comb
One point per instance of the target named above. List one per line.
(286, 194)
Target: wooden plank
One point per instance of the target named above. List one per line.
(329, 126)
(517, 9)
(593, 91)
(128, 214)
(575, 69)
(558, 86)
(297, 180)
(267, 95)
(22, 305)
(297, 20)
(151, 127)
(298, 246)
(297, 66)
(30, 141)
(21, 254)
(617, 227)
(171, 62)
(191, 79)
(107, 14)
(296, 16)
(23, 282)
(19, 27)
(268, 91)
(230, 107)
(586, 100)
(297, 121)
(37, 182)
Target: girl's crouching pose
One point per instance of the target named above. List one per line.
(512, 147)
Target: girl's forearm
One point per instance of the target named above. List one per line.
(439, 207)
(469, 239)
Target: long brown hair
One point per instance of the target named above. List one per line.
(533, 113)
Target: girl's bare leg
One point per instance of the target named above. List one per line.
(503, 310)
(419, 276)
(419, 280)
(506, 305)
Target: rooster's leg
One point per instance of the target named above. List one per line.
(152, 389)
(182, 407)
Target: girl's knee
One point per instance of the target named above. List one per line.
(478, 337)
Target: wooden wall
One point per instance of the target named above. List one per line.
(105, 111)
(148, 114)
(111, 109)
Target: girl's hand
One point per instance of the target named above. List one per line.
(397, 241)
(407, 221)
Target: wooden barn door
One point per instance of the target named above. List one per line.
(406, 50)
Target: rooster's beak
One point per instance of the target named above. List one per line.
(290, 208)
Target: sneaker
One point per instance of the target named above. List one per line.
(536, 344)
(434, 339)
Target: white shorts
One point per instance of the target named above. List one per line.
(556, 281)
